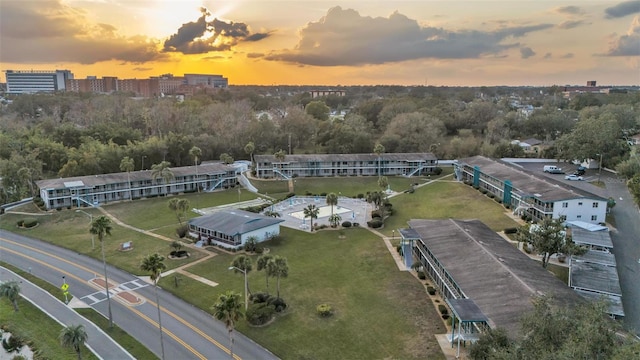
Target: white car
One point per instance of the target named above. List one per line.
(573, 177)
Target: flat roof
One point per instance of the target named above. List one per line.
(597, 238)
(347, 157)
(614, 303)
(466, 310)
(497, 276)
(596, 257)
(594, 277)
(91, 181)
(234, 222)
(527, 183)
(409, 234)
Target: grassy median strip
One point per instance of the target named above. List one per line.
(133, 346)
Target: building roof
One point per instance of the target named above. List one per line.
(347, 157)
(596, 257)
(526, 183)
(234, 222)
(586, 225)
(531, 141)
(614, 302)
(498, 277)
(597, 238)
(595, 277)
(114, 178)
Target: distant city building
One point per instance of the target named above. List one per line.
(591, 83)
(319, 93)
(205, 80)
(33, 81)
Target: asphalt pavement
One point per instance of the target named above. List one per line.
(101, 344)
(189, 333)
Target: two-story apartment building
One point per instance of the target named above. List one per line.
(97, 189)
(525, 192)
(318, 165)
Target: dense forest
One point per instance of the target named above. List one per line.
(70, 134)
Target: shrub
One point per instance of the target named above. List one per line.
(14, 343)
(507, 206)
(445, 316)
(376, 214)
(421, 275)
(443, 309)
(491, 195)
(437, 170)
(308, 193)
(278, 303)
(179, 253)
(29, 222)
(355, 224)
(259, 297)
(20, 223)
(431, 290)
(324, 310)
(360, 196)
(484, 191)
(260, 313)
(510, 230)
(346, 224)
(182, 231)
(323, 194)
(259, 250)
(375, 223)
(251, 245)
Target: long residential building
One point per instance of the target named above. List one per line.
(321, 165)
(94, 190)
(528, 194)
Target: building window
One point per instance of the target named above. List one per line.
(563, 218)
(595, 204)
(594, 217)
(565, 204)
(580, 204)
(579, 216)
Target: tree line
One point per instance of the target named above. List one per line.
(69, 134)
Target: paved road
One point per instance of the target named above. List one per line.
(98, 341)
(190, 333)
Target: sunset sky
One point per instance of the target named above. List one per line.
(320, 42)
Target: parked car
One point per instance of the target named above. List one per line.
(580, 170)
(573, 177)
(552, 169)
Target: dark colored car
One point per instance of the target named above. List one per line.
(580, 171)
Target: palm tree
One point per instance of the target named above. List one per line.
(228, 308)
(249, 149)
(378, 150)
(334, 220)
(11, 290)
(101, 226)
(332, 199)
(383, 183)
(180, 206)
(195, 152)
(280, 155)
(74, 336)
(278, 268)
(155, 265)
(162, 171)
(311, 212)
(127, 164)
(244, 263)
(263, 262)
(271, 213)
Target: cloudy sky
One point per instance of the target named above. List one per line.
(330, 42)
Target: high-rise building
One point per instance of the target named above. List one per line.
(33, 81)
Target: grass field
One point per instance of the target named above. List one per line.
(380, 312)
(38, 329)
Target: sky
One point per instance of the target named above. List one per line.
(330, 42)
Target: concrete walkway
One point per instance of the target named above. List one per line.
(101, 344)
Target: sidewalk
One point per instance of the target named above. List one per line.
(101, 344)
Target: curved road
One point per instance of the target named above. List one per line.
(189, 333)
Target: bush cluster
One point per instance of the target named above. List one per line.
(375, 223)
(511, 230)
(431, 290)
(443, 309)
(437, 170)
(260, 313)
(27, 223)
(346, 224)
(182, 231)
(421, 275)
(324, 310)
(37, 200)
(264, 298)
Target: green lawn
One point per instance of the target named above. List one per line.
(40, 331)
(380, 312)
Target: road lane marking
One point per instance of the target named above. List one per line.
(178, 318)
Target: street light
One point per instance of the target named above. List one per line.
(93, 244)
(246, 286)
(393, 235)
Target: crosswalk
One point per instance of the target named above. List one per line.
(100, 296)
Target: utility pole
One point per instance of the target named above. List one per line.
(289, 143)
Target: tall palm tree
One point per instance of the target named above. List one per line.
(180, 206)
(311, 212)
(378, 149)
(195, 152)
(332, 199)
(244, 263)
(11, 290)
(249, 149)
(127, 164)
(262, 263)
(278, 268)
(162, 171)
(74, 336)
(155, 265)
(228, 308)
(280, 155)
(101, 226)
